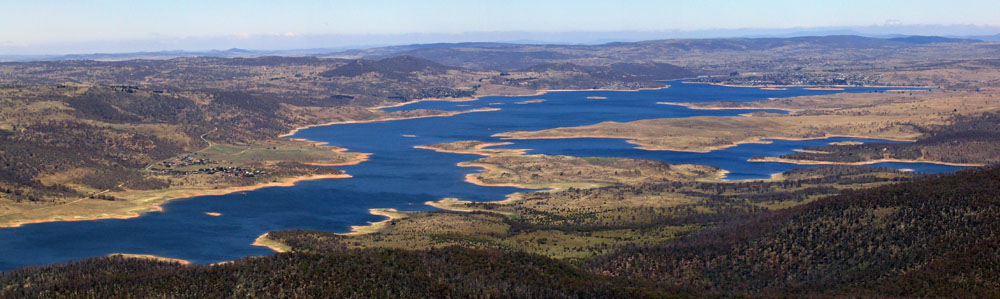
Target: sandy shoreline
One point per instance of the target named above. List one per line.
(480, 146)
(341, 122)
(453, 100)
(472, 177)
(544, 91)
(640, 145)
(707, 149)
(695, 107)
(530, 101)
(264, 241)
(869, 162)
(361, 157)
(456, 205)
(150, 257)
(154, 204)
(391, 214)
(841, 87)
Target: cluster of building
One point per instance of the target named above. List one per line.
(235, 171)
(226, 170)
(185, 161)
(172, 165)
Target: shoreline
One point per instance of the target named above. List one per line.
(535, 101)
(860, 163)
(453, 100)
(649, 147)
(634, 141)
(471, 178)
(360, 157)
(342, 122)
(806, 86)
(692, 106)
(481, 146)
(777, 176)
(544, 91)
(155, 204)
(454, 205)
(150, 257)
(264, 241)
(372, 227)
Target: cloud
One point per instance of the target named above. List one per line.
(893, 22)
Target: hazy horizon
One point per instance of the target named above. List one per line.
(59, 27)
(279, 43)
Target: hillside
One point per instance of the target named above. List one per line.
(448, 272)
(931, 237)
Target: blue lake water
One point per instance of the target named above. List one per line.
(399, 176)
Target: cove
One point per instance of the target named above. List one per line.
(402, 177)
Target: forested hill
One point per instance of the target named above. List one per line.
(932, 237)
(438, 273)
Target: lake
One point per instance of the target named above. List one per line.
(402, 177)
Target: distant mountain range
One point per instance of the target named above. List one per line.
(849, 36)
(513, 57)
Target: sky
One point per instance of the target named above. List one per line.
(50, 25)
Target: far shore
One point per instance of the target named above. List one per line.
(544, 91)
(453, 113)
(640, 145)
(703, 149)
(841, 87)
(869, 162)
